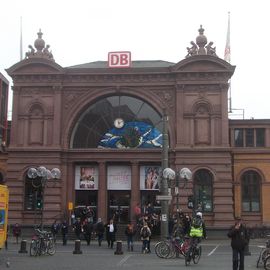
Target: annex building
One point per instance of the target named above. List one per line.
(103, 128)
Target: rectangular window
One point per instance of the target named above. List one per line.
(260, 137)
(239, 137)
(250, 137)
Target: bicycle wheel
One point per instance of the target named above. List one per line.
(259, 259)
(162, 249)
(33, 248)
(266, 263)
(51, 247)
(197, 254)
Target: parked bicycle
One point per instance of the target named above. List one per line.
(194, 252)
(42, 243)
(263, 256)
(172, 247)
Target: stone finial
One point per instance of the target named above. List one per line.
(41, 51)
(200, 47)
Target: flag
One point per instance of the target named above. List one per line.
(227, 53)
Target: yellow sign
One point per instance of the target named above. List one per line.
(3, 214)
(70, 206)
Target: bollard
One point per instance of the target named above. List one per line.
(118, 250)
(23, 247)
(77, 249)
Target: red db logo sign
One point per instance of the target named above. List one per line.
(119, 59)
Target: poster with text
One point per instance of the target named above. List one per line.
(86, 178)
(149, 177)
(119, 177)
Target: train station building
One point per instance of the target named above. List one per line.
(101, 124)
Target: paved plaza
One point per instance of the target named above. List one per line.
(216, 254)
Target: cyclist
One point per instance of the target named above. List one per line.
(197, 230)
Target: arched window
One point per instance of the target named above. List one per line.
(251, 186)
(118, 122)
(203, 190)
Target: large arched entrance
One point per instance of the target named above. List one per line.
(112, 124)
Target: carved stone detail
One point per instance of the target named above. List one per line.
(200, 47)
(41, 51)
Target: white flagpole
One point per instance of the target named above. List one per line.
(227, 58)
(21, 45)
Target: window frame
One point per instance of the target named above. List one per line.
(203, 182)
(248, 189)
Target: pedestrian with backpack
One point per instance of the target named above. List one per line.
(145, 234)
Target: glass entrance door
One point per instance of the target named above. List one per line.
(119, 205)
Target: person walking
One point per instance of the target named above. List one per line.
(64, 231)
(129, 232)
(239, 239)
(110, 233)
(87, 231)
(17, 232)
(99, 228)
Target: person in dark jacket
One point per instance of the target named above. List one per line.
(110, 233)
(99, 228)
(17, 232)
(64, 231)
(87, 231)
(239, 239)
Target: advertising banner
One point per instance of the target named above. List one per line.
(86, 177)
(149, 177)
(119, 177)
(3, 214)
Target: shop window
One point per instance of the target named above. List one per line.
(203, 190)
(251, 185)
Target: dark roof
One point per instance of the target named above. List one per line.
(134, 64)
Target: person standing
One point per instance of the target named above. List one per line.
(77, 227)
(64, 231)
(99, 228)
(110, 233)
(54, 230)
(145, 234)
(17, 232)
(239, 239)
(130, 231)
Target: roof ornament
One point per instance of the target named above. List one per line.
(41, 51)
(200, 47)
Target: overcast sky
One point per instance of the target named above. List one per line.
(84, 31)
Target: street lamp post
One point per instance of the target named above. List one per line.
(43, 175)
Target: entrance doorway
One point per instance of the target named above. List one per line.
(86, 198)
(119, 205)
